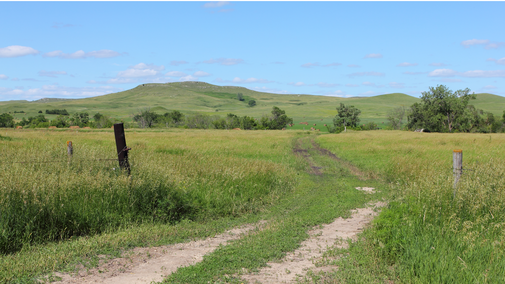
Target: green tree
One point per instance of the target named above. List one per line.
(277, 120)
(252, 103)
(146, 118)
(347, 116)
(60, 122)
(6, 120)
(240, 97)
(442, 110)
(396, 117)
(80, 119)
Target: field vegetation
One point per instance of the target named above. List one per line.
(431, 232)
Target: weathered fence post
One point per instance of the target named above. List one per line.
(457, 167)
(70, 151)
(122, 150)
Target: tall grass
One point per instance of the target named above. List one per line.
(175, 175)
(431, 232)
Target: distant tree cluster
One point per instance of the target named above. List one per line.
(6, 120)
(442, 110)
(57, 111)
(148, 119)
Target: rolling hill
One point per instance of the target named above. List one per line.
(200, 97)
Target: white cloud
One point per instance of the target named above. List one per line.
(80, 54)
(487, 43)
(224, 61)
(201, 74)
(52, 74)
(353, 66)
(373, 55)
(137, 73)
(449, 80)
(141, 70)
(438, 64)
(3, 77)
(327, 85)
(176, 74)
(297, 84)
(188, 78)
(366, 74)
(310, 64)
(498, 61)
(178, 62)
(442, 73)
(16, 51)
(484, 73)
(215, 4)
(55, 91)
(370, 84)
(332, 64)
(467, 43)
(396, 85)
(143, 66)
(406, 64)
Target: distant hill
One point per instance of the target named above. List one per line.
(200, 97)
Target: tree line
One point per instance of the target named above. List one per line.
(146, 118)
(81, 119)
(442, 110)
(276, 120)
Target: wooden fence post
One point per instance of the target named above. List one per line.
(70, 151)
(122, 150)
(457, 167)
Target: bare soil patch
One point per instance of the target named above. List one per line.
(297, 263)
(144, 265)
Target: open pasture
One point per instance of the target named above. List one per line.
(432, 233)
(175, 175)
(202, 181)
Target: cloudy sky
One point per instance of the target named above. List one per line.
(84, 49)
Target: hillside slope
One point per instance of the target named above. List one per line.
(200, 97)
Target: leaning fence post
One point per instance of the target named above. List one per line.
(457, 167)
(70, 151)
(122, 150)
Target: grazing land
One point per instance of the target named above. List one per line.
(65, 216)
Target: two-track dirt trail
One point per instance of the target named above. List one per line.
(297, 263)
(146, 265)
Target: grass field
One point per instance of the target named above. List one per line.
(431, 233)
(189, 184)
(199, 97)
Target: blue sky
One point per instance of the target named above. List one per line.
(84, 49)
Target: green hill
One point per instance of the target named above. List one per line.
(200, 97)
